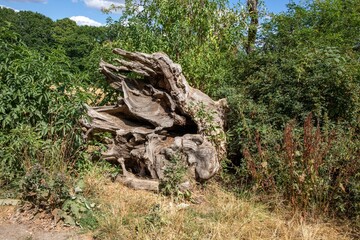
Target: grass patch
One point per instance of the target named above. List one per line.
(124, 213)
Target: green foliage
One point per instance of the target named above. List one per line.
(314, 168)
(245, 117)
(209, 127)
(40, 104)
(316, 23)
(40, 33)
(53, 193)
(44, 190)
(34, 29)
(305, 60)
(77, 210)
(77, 41)
(24, 147)
(19, 148)
(302, 80)
(204, 36)
(174, 175)
(36, 89)
(306, 66)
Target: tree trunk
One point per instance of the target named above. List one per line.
(252, 6)
(159, 117)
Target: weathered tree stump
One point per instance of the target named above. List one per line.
(158, 117)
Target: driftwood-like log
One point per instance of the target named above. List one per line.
(158, 117)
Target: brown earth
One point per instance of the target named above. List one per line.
(19, 224)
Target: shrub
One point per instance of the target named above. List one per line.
(43, 190)
(40, 104)
(174, 175)
(304, 79)
(314, 168)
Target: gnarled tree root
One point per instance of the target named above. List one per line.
(158, 117)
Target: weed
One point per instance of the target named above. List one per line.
(78, 210)
(174, 175)
(154, 219)
(210, 128)
(315, 169)
(43, 190)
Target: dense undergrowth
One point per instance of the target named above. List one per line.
(293, 125)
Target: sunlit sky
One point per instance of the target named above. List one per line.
(88, 12)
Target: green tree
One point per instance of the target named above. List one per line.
(332, 23)
(307, 65)
(34, 29)
(36, 88)
(306, 60)
(252, 6)
(77, 41)
(203, 36)
(40, 105)
(7, 15)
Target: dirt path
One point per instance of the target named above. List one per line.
(15, 226)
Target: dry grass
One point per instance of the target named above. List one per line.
(129, 214)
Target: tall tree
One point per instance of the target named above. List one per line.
(34, 29)
(203, 36)
(77, 41)
(308, 63)
(252, 6)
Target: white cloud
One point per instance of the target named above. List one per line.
(104, 4)
(2, 6)
(82, 20)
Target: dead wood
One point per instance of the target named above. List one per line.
(158, 116)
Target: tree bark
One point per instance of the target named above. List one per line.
(158, 117)
(252, 6)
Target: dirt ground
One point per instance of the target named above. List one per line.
(20, 225)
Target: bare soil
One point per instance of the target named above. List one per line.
(21, 224)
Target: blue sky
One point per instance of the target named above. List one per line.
(89, 11)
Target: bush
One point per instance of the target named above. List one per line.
(300, 80)
(40, 104)
(37, 90)
(174, 175)
(316, 169)
(307, 60)
(44, 190)
(17, 150)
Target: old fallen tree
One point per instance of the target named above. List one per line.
(159, 116)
